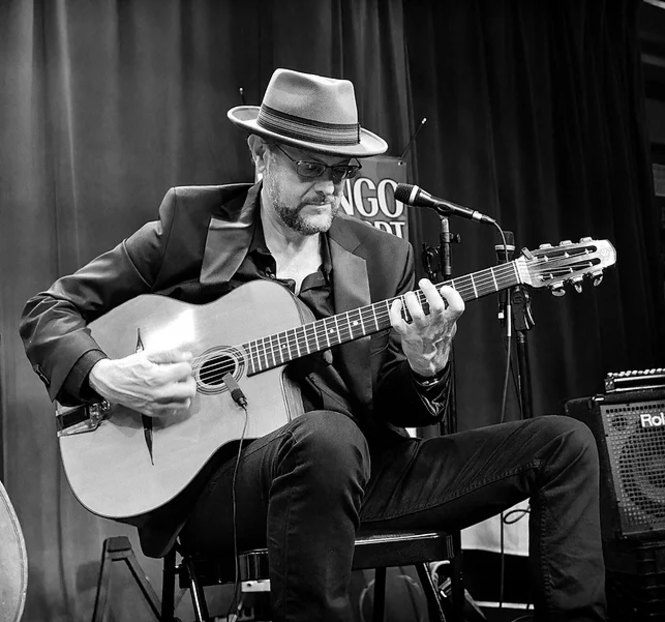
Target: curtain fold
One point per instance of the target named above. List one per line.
(103, 107)
(538, 121)
(535, 115)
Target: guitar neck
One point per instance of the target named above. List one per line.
(281, 348)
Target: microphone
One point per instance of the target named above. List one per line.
(411, 194)
(504, 254)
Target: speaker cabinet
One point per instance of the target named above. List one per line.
(630, 432)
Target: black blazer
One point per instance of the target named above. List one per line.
(191, 251)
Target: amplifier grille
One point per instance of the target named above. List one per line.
(635, 435)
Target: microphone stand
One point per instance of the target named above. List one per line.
(449, 425)
(515, 314)
(522, 322)
(446, 269)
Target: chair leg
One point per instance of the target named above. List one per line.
(196, 591)
(379, 608)
(168, 586)
(457, 580)
(434, 608)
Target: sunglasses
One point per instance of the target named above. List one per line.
(311, 170)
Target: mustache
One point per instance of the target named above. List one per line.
(330, 200)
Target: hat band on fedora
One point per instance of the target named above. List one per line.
(302, 129)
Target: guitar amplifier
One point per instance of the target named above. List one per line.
(629, 428)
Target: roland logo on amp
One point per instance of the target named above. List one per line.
(652, 420)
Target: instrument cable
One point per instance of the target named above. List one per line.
(240, 399)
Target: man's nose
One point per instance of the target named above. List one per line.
(325, 182)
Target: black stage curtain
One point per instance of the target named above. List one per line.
(535, 117)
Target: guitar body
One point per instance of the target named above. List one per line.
(110, 468)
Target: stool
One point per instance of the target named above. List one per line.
(373, 549)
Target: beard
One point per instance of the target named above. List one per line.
(307, 224)
(292, 216)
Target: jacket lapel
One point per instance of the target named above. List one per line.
(229, 236)
(351, 290)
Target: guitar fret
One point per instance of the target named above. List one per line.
(387, 304)
(252, 364)
(325, 331)
(346, 326)
(297, 339)
(339, 337)
(517, 276)
(475, 289)
(376, 321)
(270, 351)
(363, 320)
(284, 351)
(309, 347)
(265, 352)
(316, 338)
(360, 321)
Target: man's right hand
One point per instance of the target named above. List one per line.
(156, 384)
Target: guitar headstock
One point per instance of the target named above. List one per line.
(568, 263)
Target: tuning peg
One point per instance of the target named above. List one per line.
(585, 240)
(558, 290)
(596, 277)
(565, 243)
(577, 283)
(546, 245)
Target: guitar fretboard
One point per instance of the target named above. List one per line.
(281, 348)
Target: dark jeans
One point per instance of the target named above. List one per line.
(309, 485)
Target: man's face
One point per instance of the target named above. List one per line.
(306, 205)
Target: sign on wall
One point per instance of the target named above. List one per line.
(370, 196)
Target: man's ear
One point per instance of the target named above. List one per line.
(259, 150)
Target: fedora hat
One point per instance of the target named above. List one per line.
(311, 112)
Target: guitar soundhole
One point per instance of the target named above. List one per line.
(212, 366)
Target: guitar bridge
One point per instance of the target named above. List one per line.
(80, 419)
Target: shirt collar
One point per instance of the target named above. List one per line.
(258, 245)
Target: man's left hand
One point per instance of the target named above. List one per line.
(427, 338)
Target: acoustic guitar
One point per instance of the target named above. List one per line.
(120, 464)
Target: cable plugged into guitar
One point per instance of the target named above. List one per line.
(236, 392)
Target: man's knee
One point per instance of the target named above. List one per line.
(575, 438)
(332, 443)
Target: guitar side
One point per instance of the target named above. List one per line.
(109, 468)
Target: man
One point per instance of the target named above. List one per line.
(305, 488)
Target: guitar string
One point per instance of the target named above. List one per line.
(290, 340)
(321, 330)
(312, 335)
(276, 344)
